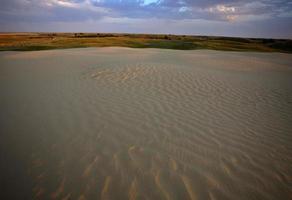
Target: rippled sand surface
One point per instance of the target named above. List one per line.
(119, 123)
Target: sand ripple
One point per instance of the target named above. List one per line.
(148, 124)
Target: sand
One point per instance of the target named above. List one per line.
(121, 123)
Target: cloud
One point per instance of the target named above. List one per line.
(168, 9)
(105, 12)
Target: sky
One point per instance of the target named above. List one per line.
(240, 18)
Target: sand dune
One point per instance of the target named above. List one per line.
(119, 123)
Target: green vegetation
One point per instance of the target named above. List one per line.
(44, 41)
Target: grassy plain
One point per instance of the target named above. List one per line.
(43, 41)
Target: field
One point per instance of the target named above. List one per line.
(45, 41)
